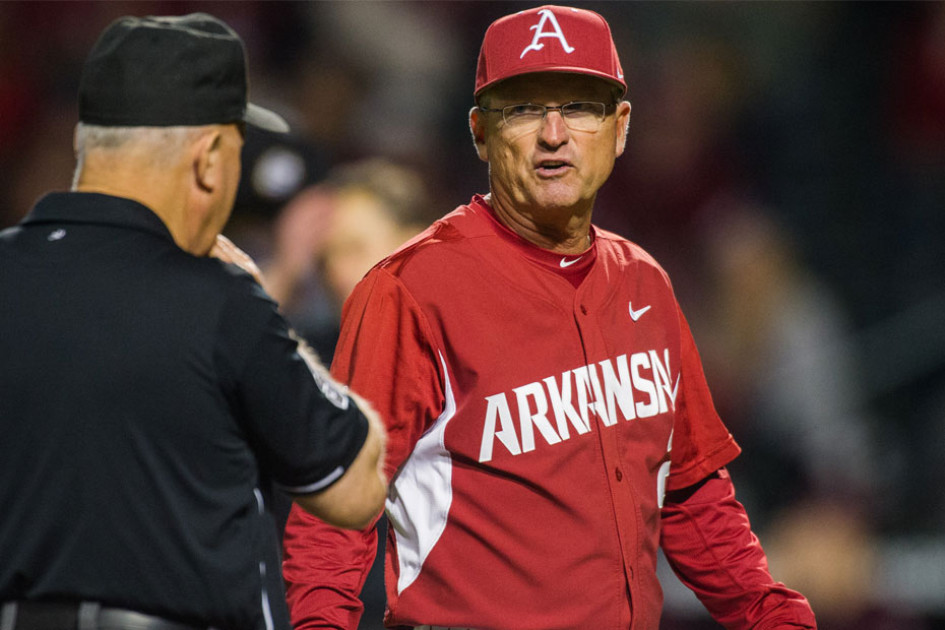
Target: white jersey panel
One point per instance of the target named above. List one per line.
(421, 494)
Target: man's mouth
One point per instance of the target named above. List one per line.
(551, 168)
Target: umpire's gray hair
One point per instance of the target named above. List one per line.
(163, 144)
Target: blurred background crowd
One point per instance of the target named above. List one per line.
(785, 164)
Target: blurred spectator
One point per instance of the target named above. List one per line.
(334, 232)
(833, 554)
(783, 368)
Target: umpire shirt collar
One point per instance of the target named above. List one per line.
(96, 208)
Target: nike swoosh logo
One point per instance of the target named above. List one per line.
(635, 315)
(567, 263)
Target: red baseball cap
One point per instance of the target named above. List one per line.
(548, 39)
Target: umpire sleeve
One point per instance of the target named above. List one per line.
(303, 427)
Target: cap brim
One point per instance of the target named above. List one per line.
(617, 83)
(265, 119)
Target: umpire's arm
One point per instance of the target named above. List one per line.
(323, 444)
(358, 497)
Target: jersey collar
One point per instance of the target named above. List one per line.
(566, 265)
(96, 208)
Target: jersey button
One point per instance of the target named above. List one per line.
(618, 474)
(583, 309)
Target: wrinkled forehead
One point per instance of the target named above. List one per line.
(548, 88)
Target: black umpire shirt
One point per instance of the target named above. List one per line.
(146, 396)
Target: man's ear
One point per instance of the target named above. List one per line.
(623, 123)
(208, 161)
(478, 131)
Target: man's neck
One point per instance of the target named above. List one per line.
(565, 232)
(160, 199)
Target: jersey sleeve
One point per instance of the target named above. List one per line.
(386, 355)
(707, 540)
(324, 569)
(701, 442)
(304, 429)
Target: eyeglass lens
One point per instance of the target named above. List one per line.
(578, 116)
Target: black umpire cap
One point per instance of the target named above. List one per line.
(163, 71)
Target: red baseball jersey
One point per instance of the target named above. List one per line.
(538, 408)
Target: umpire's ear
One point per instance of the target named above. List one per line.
(477, 126)
(207, 161)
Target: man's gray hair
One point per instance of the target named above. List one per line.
(163, 145)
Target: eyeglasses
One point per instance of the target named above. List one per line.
(577, 116)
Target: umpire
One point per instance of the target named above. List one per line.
(148, 391)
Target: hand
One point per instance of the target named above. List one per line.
(301, 229)
(300, 234)
(225, 250)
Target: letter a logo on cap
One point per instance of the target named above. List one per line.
(546, 16)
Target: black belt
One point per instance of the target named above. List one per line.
(81, 616)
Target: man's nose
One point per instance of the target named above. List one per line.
(553, 131)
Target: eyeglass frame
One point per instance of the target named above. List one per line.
(551, 108)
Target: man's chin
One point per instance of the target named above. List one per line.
(561, 199)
